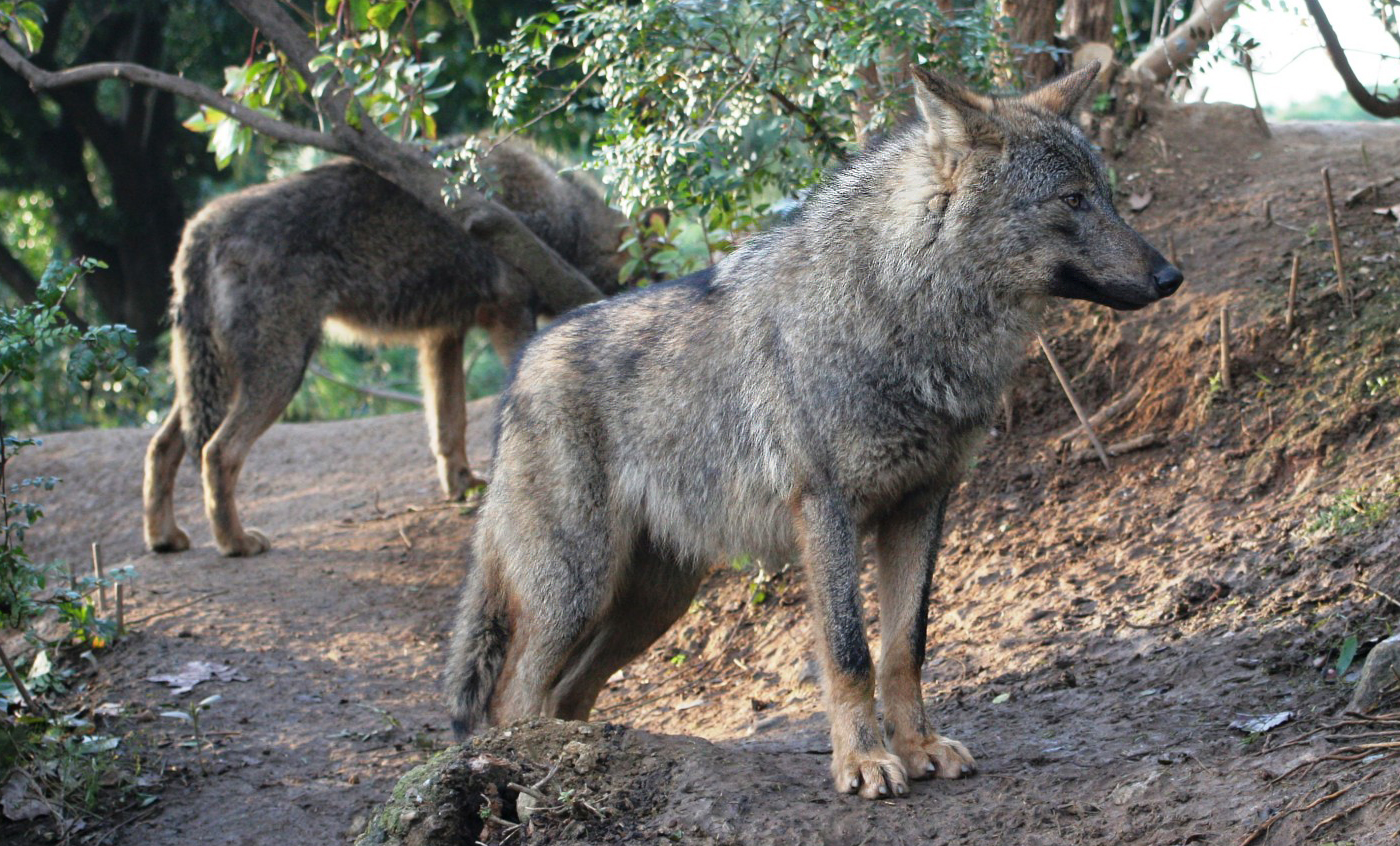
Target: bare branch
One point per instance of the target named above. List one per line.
(43, 80)
(1377, 106)
(1182, 44)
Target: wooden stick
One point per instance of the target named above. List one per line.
(1073, 400)
(1225, 349)
(121, 590)
(1171, 251)
(1342, 285)
(1105, 414)
(19, 684)
(97, 574)
(182, 606)
(1151, 439)
(72, 577)
(1292, 295)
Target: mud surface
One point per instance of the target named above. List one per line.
(1093, 635)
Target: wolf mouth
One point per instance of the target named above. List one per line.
(1072, 283)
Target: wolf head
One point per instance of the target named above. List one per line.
(1034, 187)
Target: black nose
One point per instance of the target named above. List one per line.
(1168, 279)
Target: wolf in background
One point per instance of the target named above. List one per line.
(826, 382)
(260, 271)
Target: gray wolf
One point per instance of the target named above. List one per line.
(260, 271)
(825, 383)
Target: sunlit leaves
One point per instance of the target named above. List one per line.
(23, 24)
(721, 107)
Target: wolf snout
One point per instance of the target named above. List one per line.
(1167, 279)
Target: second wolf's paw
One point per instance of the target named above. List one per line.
(934, 755)
(175, 541)
(460, 483)
(873, 773)
(251, 542)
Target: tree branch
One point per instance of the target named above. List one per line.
(557, 285)
(1377, 106)
(1180, 47)
(42, 80)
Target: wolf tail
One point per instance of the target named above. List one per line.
(478, 650)
(202, 383)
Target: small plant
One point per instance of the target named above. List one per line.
(55, 762)
(191, 716)
(1355, 511)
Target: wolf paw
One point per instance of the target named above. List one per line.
(933, 755)
(251, 542)
(459, 483)
(175, 541)
(873, 773)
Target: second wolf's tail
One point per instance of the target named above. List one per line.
(478, 650)
(201, 383)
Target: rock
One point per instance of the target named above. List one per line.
(1379, 676)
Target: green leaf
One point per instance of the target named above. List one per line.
(382, 15)
(33, 33)
(333, 6)
(1347, 655)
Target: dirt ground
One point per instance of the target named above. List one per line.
(1094, 632)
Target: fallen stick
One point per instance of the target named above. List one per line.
(378, 393)
(1073, 400)
(182, 606)
(1105, 414)
(1355, 196)
(1141, 442)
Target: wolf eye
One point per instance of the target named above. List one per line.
(1074, 200)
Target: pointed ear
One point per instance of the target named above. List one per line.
(956, 118)
(1062, 96)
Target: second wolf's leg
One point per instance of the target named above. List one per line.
(268, 378)
(444, 390)
(907, 547)
(657, 589)
(508, 325)
(826, 535)
(158, 491)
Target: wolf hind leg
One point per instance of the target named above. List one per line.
(158, 490)
(656, 590)
(560, 592)
(267, 380)
(445, 394)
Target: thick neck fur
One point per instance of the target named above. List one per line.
(902, 267)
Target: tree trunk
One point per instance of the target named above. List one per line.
(1034, 22)
(1089, 20)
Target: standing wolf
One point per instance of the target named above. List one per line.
(825, 382)
(258, 273)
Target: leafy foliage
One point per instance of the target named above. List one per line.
(724, 110)
(59, 759)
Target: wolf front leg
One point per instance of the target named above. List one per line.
(827, 540)
(907, 547)
(445, 393)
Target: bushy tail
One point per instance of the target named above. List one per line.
(201, 382)
(478, 650)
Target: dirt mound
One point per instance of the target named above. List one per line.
(1093, 635)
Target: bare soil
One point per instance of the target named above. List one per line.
(1093, 635)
